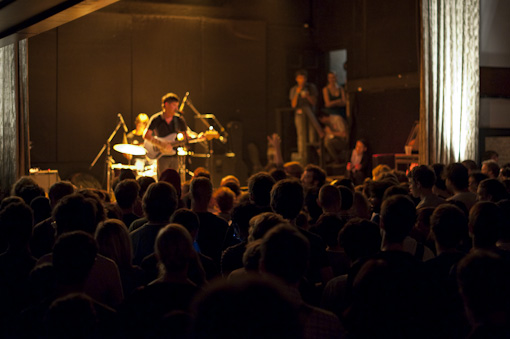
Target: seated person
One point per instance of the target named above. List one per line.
(336, 136)
(359, 166)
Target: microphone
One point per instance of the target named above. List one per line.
(183, 101)
(122, 122)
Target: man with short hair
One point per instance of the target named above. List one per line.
(162, 128)
(211, 235)
(491, 168)
(457, 181)
(284, 253)
(422, 179)
(159, 203)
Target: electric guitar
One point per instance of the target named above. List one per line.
(165, 145)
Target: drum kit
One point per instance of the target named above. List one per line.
(144, 165)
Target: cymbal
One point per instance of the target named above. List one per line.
(130, 149)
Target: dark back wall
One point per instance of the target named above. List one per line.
(231, 58)
(235, 58)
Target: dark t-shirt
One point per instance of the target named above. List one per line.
(160, 128)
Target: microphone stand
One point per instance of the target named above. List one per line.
(108, 159)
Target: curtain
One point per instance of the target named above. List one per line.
(13, 114)
(449, 81)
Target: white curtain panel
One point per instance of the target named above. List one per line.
(449, 81)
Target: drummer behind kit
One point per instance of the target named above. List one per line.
(166, 144)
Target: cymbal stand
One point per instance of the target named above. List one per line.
(108, 160)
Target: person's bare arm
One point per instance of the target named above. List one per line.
(295, 98)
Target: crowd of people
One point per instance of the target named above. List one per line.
(290, 255)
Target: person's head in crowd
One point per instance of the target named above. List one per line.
(251, 256)
(313, 177)
(401, 176)
(59, 190)
(201, 172)
(113, 211)
(475, 178)
(75, 212)
(422, 179)
(483, 278)
(113, 242)
(375, 194)
(241, 217)
(361, 206)
(259, 188)
(262, 223)
(174, 250)
(41, 208)
(224, 199)
(490, 155)
(456, 176)
(504, 232)
(330, 199)
(491, 169)
(188, 219)
(440, 184)
(344, 182)
(16, 222)
(395, 190)
(470, 165)
(173, 178)
(398, 216)
(234, 187)
(485, 220)
(144, 183)
(421, 230)
(506, 183)
(491, 190)
(20, 184)
(126, 173)
(74, 255)
(238, 308)
(201, 190)
(285, 253)
(278, 174)
(126, 193)
(379, 170)
(30, 192)
(504, 172)
(72, 316)
(10, 200)
(103, 195)
(449, 227)
(360, 238)
(287, 198)
(347, 197)
(159, 202)
(96, 200)
(293, 169)
(327, 227)
(230, 178)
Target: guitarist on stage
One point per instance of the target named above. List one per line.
(163, 124)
